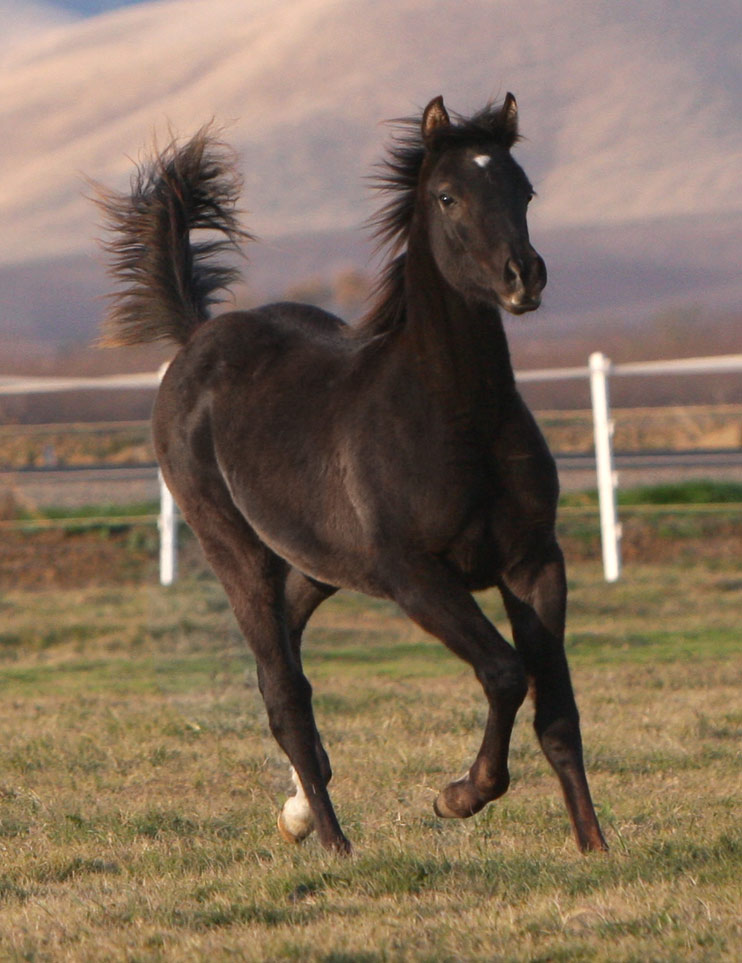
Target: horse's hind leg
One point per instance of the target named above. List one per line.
(535, 594)
(303, 595)
(255, 581)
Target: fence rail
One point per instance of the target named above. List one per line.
(598, 370)
(714, 363)
(21, 385)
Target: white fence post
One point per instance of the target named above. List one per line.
(610, 529)
(168, 526)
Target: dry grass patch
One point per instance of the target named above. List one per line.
(139, 785)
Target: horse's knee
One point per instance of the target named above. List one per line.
(504, 684)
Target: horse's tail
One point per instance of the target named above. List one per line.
(168, 281)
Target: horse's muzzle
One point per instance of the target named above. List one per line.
(524, 280)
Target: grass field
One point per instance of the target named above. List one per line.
(139, 785)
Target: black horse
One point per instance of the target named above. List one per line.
(394, 457)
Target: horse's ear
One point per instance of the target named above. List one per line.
(435, 118)
(509, 118)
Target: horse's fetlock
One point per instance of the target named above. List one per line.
(491, 781)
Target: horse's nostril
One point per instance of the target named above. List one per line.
(513, 277)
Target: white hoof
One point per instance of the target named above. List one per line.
(295, 821)
(292, 827)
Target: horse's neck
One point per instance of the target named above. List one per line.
(461, 346)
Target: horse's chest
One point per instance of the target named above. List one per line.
(506, 507)
(452, 511)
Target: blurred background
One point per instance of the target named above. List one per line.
(632, 137)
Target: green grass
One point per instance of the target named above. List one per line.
(94, 511)
(693, 492)
(139, 785)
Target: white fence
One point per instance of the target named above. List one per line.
(599, 370)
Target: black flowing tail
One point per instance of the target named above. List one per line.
(169, 282)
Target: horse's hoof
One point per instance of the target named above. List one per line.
(287, 831)
(294, 827)
(342, 847)
(592, 841)
(440, 808)
(458, 800)
(461, 799)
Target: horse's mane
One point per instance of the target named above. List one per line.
(398, 176)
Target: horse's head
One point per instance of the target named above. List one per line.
(475, 198)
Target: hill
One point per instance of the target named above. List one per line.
(630, 113)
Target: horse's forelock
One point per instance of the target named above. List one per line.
(398, 176)
(399, 173)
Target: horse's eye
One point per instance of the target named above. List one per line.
(446, 199)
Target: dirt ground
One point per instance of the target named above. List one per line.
(56, 558)
(61, 559)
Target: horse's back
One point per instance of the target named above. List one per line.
(243, 339)
(239, 347)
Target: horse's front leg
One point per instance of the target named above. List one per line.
(534, 592)
(433, 596)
